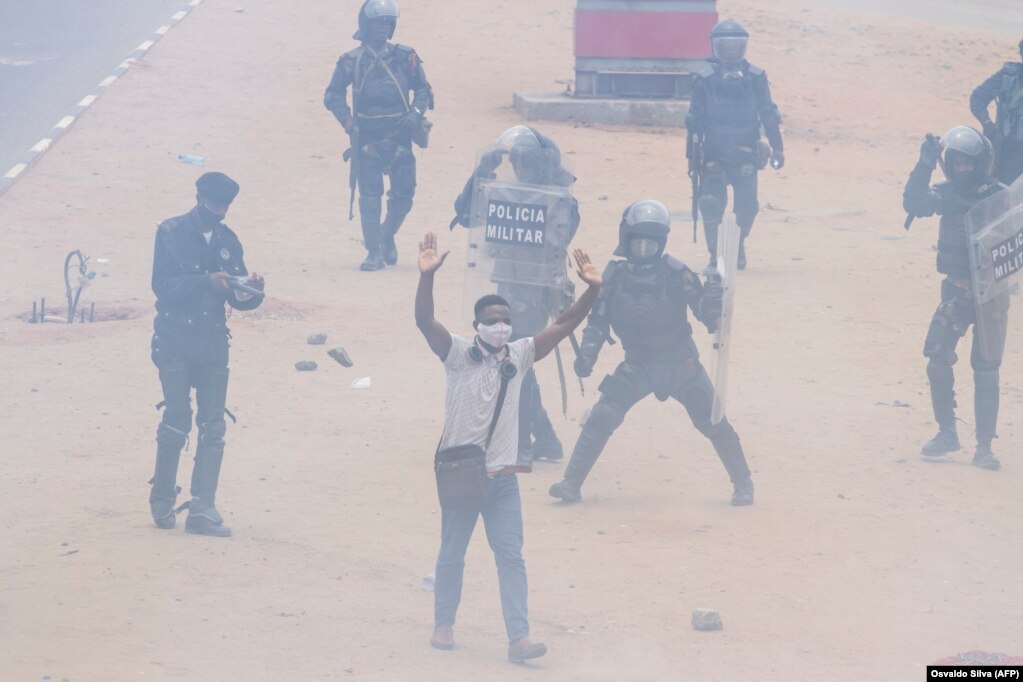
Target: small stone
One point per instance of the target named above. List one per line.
(707, 620)
(602, 197)
(305, 366)
(339, 354)
(317, 339)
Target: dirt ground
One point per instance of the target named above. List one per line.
(858, 561)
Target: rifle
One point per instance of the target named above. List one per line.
(352, 155)
(694, 152)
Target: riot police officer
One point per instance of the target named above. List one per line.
(966, 158)
(383, 124)
(535, 159)
(644, 300)
(1005, 88)
(730, 102)
(197, 265)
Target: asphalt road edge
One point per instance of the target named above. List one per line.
(20, 169)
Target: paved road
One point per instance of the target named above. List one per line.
(1000, 16)
(54, 52)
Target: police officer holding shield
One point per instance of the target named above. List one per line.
(198, 267)
(966, 158)
(731, 101)
(644, 300)
(536, 293)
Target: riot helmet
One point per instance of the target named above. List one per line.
(968, 157)
(532, 157)
(728, 41)
(386, 10)
(643, 232)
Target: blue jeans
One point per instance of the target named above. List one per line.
(502, 519)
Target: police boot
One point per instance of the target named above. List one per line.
(742, 493)
(396, 212)
(203, 517)
(164, 492)
(943, 402)
(710, 232)
(945, 442)
(369, 214)
(985, 458)
(985, 405)
(729, 449)
(585, 455)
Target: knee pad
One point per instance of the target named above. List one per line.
(948, 325)
(212, 433)
(712, 208)
(605, 416)
(172, 436)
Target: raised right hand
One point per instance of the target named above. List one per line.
(930, 151)
(429, 260)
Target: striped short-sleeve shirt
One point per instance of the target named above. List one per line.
(471, 396)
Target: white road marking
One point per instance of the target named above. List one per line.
(163, 29)
(107, 81)
(42, 145)
(87, 101)
(65, 122)
(194, 3)
(145, 46)
(15, 171)
(179, 16)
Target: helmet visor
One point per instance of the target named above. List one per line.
(729, 49)
(644, 247)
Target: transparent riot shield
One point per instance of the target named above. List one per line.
(519, 234)
(727, 268)
(995, 229)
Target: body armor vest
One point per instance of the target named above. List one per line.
(648, 314)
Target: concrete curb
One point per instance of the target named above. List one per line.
(20, 169)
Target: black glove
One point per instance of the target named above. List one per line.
(990, 131)
(930, 151)
(582, 368)
(409, 122)
(710, 304)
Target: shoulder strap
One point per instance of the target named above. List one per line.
(497, 410)
(404, 93)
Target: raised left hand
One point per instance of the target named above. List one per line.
(587, 270)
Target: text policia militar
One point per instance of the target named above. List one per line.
(514, 223)
(974, 672)
(1007, 256)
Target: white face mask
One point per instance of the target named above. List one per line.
(494, 335)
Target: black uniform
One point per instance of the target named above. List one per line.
(1005, 88)
(645, 305)
(190, 349)
(957, 310)
(728, 107)
(384, 123)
